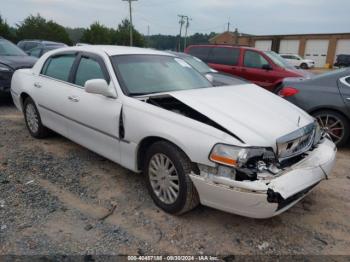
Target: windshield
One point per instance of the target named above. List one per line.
(197, 64)
(278, 60)
(147, 74)
(9, 49)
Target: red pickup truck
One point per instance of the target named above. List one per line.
(264, 68)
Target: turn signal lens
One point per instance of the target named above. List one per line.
(228, 155)
(288, 91)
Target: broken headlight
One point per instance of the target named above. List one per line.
(235, 156)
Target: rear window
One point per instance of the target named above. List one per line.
(59, 67)
(201, 52)
(224, 56)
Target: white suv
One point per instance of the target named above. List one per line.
(298, 61)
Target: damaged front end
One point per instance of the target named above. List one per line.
(257, 183)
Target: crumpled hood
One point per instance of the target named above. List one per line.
(255, 115)
(16, 62)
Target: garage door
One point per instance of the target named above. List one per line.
(343, 47)
(289, 47)
(264, 45)
(317, 50)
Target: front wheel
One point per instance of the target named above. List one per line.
(167, 171)
(33, 120)
(304, 66)
(335, 125)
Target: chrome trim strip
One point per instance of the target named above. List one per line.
(80, 123)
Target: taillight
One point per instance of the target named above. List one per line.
(288, 91)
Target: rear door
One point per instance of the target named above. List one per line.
(51, 90)
(225, 59)
(94, 118)
(345, 90)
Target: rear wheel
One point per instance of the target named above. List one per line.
(335, 125)
(304, 66)
(33, 120)
(167, 172)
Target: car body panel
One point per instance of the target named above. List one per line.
(268, 79)
(247, 112)
(225, 104)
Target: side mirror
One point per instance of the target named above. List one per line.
(100, 87)
(267, 67)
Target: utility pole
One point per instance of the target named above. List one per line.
(130, 25)
(186, 28)
(228, 26)
(182, 22)
(148, 36)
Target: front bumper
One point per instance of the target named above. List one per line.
(262, 199)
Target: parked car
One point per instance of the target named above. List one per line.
(327, 98)
(298, 61)
(11, 59)
(264, 68)
(40, 50)
(342, 61)
(150, 111)
(27, 45)
(217, 78)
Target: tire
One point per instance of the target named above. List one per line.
(304, 66)
(187, 196)
(33, 120)
(338, 132)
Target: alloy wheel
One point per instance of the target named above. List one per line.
(164, 178)
(332, 125)
(32, 118)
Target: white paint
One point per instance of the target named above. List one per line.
(289, 47)
(317, 50)
(264, 45)
(253, 114)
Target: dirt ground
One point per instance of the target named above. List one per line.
(54, 195)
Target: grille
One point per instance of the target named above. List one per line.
(296, 143)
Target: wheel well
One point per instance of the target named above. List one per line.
(24, 96)
(147, 142)
(329, 109)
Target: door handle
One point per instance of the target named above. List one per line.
(37, 85)
(73, 99)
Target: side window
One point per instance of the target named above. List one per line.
(224, 56)
(348, 80)
(253, 59)
(35, 52)
(201, 52)
(88, 69)
(30, 45)
(59, 67)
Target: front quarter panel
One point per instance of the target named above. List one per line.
(142, 120)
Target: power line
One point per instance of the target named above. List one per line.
(131, 26)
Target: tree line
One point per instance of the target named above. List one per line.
(37, 27)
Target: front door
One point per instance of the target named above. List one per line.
(94, 118)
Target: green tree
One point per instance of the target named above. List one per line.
(97, 34)
(75, 34)
(121, 36)
(37, 27)
(5, 30)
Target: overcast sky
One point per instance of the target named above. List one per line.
(249, 16)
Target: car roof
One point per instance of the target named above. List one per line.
(112, 50)
(233, 46)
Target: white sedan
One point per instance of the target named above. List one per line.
(298, 61)
(236, 148)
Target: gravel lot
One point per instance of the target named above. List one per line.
(54, 196)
